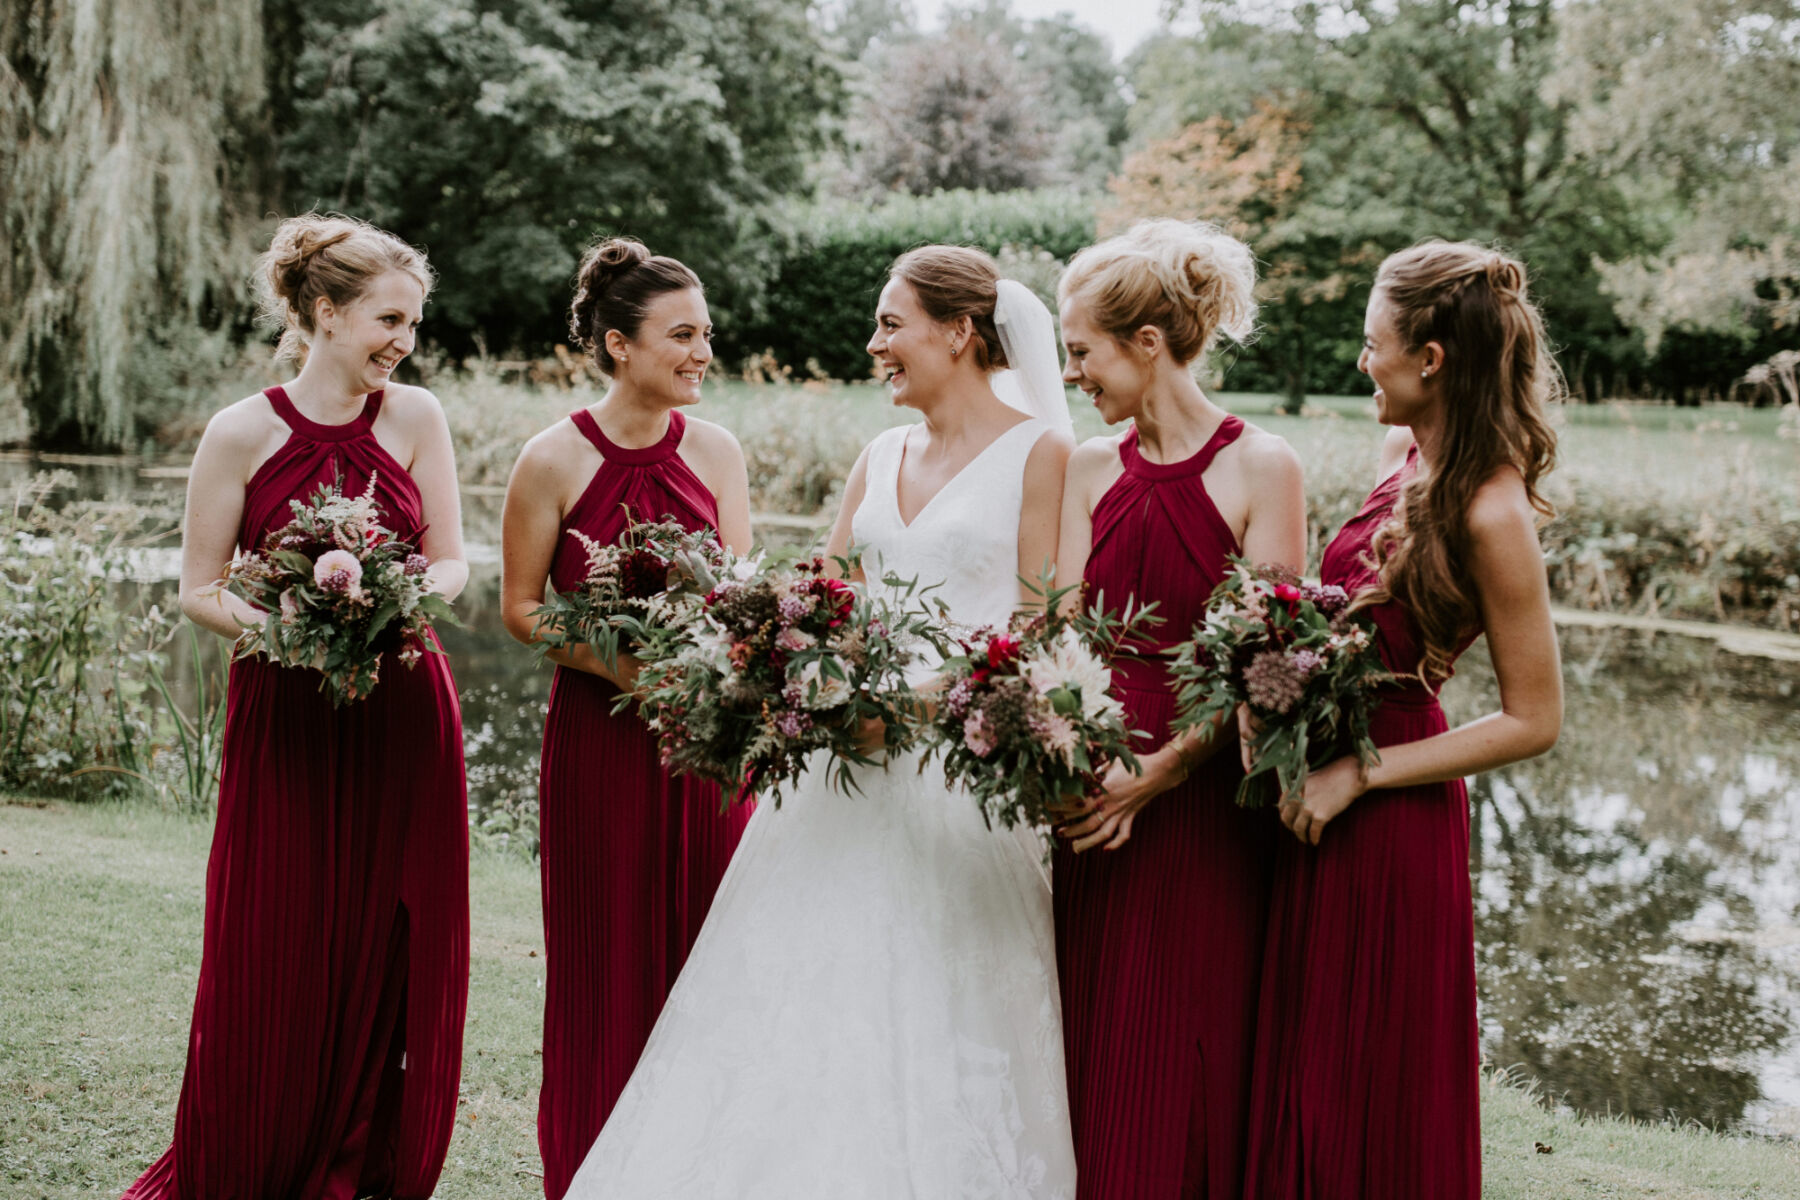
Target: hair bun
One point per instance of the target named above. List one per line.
(296, 244)
(1506, 276)
(601, 269)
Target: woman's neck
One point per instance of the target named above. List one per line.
(630, 418)
(1175, 419)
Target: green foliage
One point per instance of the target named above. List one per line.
(132, 144)
(835, 254)
(72, 720)
(503, 138)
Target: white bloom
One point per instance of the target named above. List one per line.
(1067, 663)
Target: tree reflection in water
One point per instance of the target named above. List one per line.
(1634, 887)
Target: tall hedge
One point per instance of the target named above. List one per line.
(835, 254)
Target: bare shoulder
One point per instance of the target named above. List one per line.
(709, 437)
(1094, 455)
(411, 404)
(1501, 507)
(556, 449)
(1052, 447)
(1265, 452)
(244, 428)
(1394, 446)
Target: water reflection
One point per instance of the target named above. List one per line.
(1636, 903)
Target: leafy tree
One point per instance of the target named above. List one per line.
(1693, 104)
(1248, 177)
(505, 136)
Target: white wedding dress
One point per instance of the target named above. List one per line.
(871, 1008)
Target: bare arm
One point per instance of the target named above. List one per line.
(530, 527)
(838, 544)
(1274, 533)
(1040, 508)
(434, 471)
(1507, 567)
(719, 461)
(215, 506)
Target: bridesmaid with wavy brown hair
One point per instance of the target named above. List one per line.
(1367, 1060)
(630, 855)
(326, 1044)
(1162, 885)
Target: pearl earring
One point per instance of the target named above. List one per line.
(1425, 374)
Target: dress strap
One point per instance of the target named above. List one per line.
(305, 426)
(1195, 464)
(657, 451)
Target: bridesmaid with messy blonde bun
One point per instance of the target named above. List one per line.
(326, 1042)
(630, 856)
(1162, 884)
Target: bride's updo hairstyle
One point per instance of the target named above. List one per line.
(336, 257)
(953, 282)
(1497, 377)
(1189, 279)
(619, 278)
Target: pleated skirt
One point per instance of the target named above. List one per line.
(326, 1044)
(631, 857)
(1367, 1061)
(1159, 952)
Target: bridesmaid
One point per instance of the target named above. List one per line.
(1366, 1061)
(631, 856)
(1159, 931)
(326, 1046)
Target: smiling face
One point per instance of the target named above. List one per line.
(912, 350)
(371, 335)
(1405, 379)
(667, 360)
(1114, 374)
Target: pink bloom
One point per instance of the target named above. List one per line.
(794, 639)
(416, 564)
(977, 737)
(290, 608)
(337, 571)
(1056, 733)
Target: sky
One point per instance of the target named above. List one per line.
(1122, 22)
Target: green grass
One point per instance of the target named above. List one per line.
(100, 912)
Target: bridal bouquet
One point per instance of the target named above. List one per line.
(650, 583)
(340, 590)
(1027, 716)
(1294, 653)
(774, 667)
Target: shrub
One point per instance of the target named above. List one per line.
(834, 257)
(75, 653)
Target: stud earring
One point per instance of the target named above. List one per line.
(1425, 374)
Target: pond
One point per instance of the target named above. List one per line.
(1637, 889)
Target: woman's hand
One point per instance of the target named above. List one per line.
(1327, 792)
(1248, 729)
(871, 737)
(1106, 820)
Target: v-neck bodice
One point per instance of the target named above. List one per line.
(965, 538)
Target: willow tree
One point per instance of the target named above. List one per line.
(129, 167)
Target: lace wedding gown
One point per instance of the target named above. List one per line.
(871, 1007)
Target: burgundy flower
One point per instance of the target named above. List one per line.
(416, 564)
(1002, 651)
(643, 574)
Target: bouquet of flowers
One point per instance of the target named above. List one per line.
(772, 667)
(1027, 716)
(650, 582)
(1294, 653)
(340, 591)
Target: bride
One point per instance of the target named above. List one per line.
(871, 1007)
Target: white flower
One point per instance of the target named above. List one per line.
(1067, 663)
(821, 691)
(711, 644)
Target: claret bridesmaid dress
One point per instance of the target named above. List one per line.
(1159, 943)
(1367, 1066)
(326, 1043)
(631, 856)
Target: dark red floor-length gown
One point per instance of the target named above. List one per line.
(1159, 943)
(631, 855)
(1367, 1062)
(326, 1044)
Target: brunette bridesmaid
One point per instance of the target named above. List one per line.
(631, 856)
(1366, 1064)
(326, 1044)
(1161, 886)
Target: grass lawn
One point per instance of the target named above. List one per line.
(100, 911)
